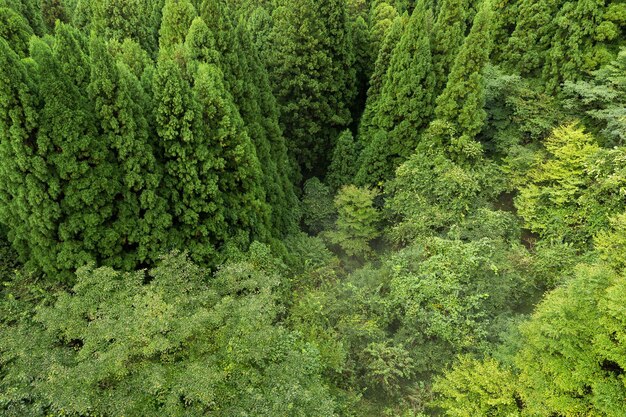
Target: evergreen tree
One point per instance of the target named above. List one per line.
(343, 164)
(357, 221)
(561, 41)
(135, 19)
(460, 108)
(381, 19)
(312, 75)
(405, 105)
(141, 217)
(447, 38)
(247, 81)
(364, 57)
(53, 10)
(74, 218)
(23, 171)
(175, 22)
(379, 74)
(30, 11)
(15, 30)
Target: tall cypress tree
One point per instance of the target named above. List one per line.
(460, 106)
(15, 30)
(135, 19)
(23, 171)
(75, 213)
(343, 164)
(247, 81)
(381, 19)
(141, 217)
(560, 41)
(175, 22)
(379, 75)
(448, 35)
(312, 76)
(406, 102)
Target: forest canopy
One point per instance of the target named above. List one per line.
(313, 208)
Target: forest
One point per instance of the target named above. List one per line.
(313, 208)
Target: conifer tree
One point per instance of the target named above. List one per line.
(406, 102)
(379, 74)
(382, 18)
(561, 41)
(357, 221)
(175, 22)
(141, 214)
(364, 57)
(312, 76)
(459, 108)
(74, 218)
(23, 171)
(343, 164)
(135, 19)
(448, 35)
(53, 10)
(30, 11)
(247, 81)
(15, 30)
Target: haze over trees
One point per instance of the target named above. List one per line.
(312, 208)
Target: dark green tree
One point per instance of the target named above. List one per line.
(135, 19)
(23, 171)
(363, 63)
(175, 22)
(141, 217)
(447, 38)
(79, 179)
(600, 102)
(460, 107)
(564, 41)
(247, 81)
(15, 30)
(405, 104)
(53, 10)
(342, 167)
(379, 74)
(312, 74)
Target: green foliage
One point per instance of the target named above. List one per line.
(142, 218)
(518, 119)
(405, 104)
(460, 107)
(382, 18)
(447, 38)
(175, 22)
(478, 388)
(172, 342)
(601, 101)
(357, 221)
(247, 80)
(563, 41)
(342, 168)
(53, 10)
(15, 30)
(318, 210)
(445, 295)
(431, 193)
(572, 192)
(572, 359)
(138, 20)
(312, 75)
